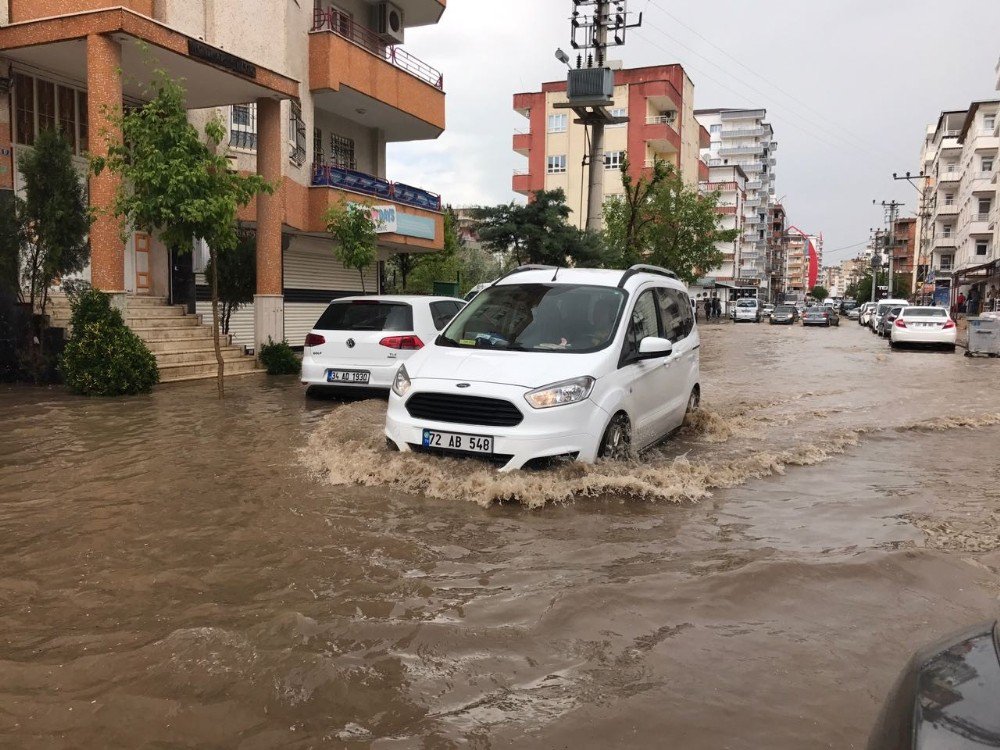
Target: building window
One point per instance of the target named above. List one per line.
(981, 247)
(243, 126)
(558, 123)
(296, 135)
(951, 166)
(24, 103)
(41, 105)
(342, 152)
(946, 262)
(555, 164)
(989, 123)
(946, 230)
(984, 208)
(987, 164)
(318, 157)
(949, 199)
(619, 112)
(713, 129)
(614, 159)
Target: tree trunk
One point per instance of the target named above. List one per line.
(361, 272)
(215, 322)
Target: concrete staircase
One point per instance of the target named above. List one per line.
(181, 344)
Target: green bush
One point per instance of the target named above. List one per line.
(105, 358)
(279, 359)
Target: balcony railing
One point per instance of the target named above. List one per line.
(345, 26)
(326, 175)
(745, 132)
(661, 120)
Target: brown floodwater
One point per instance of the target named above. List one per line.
(261, 573)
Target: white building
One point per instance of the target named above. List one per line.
(741, 137)
(730, 182)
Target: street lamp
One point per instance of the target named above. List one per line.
(563, 57)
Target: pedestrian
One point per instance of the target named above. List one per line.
(972, 304)
(960, 302)
(717, 307)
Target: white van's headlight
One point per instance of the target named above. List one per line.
(401, 383)
(557, 394)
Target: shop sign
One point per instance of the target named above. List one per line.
(222, 59)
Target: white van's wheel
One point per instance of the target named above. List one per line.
(616, 445)
(694, 400)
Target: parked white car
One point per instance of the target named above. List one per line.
(923, 325)
(546, 363)
(747, 309)
(358, 342)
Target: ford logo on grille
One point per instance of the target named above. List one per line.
(350, 343)
(463, 385)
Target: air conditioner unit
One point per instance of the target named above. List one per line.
(671, 116)
(388, 23)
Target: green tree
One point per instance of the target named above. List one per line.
(663, 221)
(539, 232)
(177, 182)
(900, 286)
(55, 216)
(13, 242)
(237, 276)
(820, 292)
(354, 230)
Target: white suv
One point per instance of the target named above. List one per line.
(747, 309)
(553, 362)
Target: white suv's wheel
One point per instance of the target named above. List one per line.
(616, 445)
(694, 400)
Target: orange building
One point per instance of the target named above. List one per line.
(311, 92)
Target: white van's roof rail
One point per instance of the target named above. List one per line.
(643, 268)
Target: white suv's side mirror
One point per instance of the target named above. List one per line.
(652, 347)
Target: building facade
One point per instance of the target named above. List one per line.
(311, 93)
(659, 102)
(730, 183)
(742, 137)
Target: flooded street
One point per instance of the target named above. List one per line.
(261, 573)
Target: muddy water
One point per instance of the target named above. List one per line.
(258, 574)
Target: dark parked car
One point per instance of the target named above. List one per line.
(784, 315)
(948, 697)
(819, 315)
(884, 325)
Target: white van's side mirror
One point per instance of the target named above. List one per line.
(652, 347)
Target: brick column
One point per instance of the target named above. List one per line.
(104, 92)
(269, 318)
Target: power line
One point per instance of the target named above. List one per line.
(818, 125)
(739, 62)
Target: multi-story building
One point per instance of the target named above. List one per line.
(776, 251)
(803, 259)
(741, 137)
(311, 93)
(904, 241)
(659, 104)
(730, 183)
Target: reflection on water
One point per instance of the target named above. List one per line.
(263, 573)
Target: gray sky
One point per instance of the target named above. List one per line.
(849, 86)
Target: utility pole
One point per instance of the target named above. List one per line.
(892, 213)
(590, 86)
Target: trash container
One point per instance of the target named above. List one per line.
(984, 337)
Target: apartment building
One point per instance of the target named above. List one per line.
(904, 247)
(776, 251)
(730, 183)
(803, 259)
(659, 102)
(742, 137)
(311, 91)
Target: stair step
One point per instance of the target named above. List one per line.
(206, 376)
(206, 367)
(147, 301)
(229, 353)
(172, 346)
(149, 311)
(144, 321)
(174, 334)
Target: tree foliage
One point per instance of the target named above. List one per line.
(237, 275)
(539, 232)
(354, 230)
(52, 221)
(13, 242)
(663, 221)
(819, 292)
(177, 182)
(900, 286)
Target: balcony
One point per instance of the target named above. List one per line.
(756, 150)
(661, 134)
(952, 175)
(982, 182)
(942, 241)
(947, 209)
(522, 143)
(745, 132)
(355, 74)
(522, 182)
(980, 225)
(412, 216)
(743, 114)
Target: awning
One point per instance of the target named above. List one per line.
(212, 77)
(976, 273)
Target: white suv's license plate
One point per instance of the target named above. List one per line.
(358, 377)
(454, 441)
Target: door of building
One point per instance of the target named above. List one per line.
(143, 283)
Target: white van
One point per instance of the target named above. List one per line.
(881, 308)
(747, 309)
(553, 362)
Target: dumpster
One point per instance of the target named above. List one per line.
(984, 337)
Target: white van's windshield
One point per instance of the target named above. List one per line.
(746, 303)
(538, 317)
